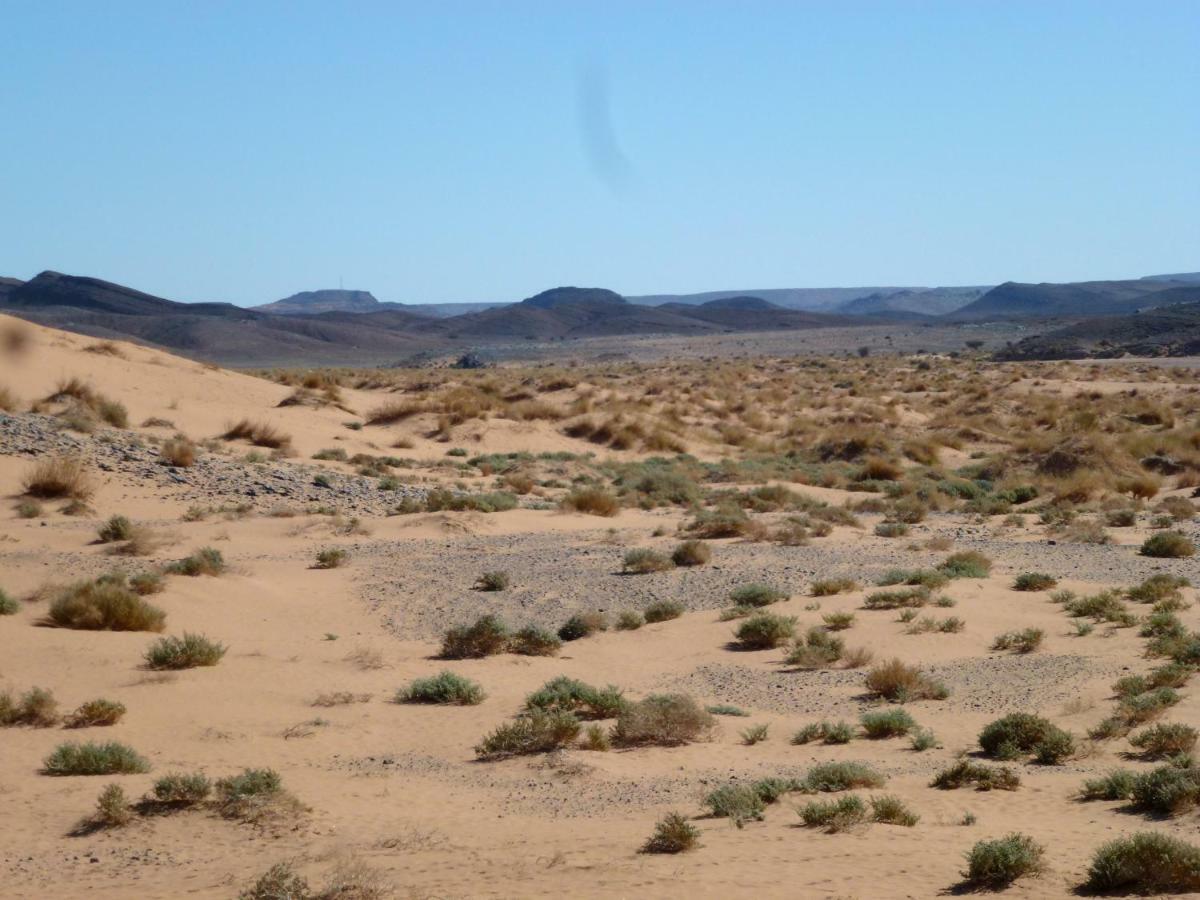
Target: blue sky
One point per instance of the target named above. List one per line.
(243, 151)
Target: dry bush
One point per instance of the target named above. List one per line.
(592, 502)
(899, 682)
(103, 605)
(178, 452)
(36, 707)
(663, 719)
(96, 713)
(59, 476)
(260, 434)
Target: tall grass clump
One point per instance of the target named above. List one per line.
(188, 652)
(58, 477)
(672, 834)
(103, 605)
(899, 682)
(662, 719)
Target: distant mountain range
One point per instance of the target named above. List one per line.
(353, 326)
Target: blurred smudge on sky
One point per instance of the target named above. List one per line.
(600, 144)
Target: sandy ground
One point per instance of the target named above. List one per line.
(398, 787)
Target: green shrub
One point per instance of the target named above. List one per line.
(888, 810)
(104, 605)
(966, 564)
(1158, 588)
(816, 649)
(440, 499)
(280, 882)
(1013, 735)
(445, 688)
(763, 631)
(828, 732)
(927, 578)
(756, 595)
(1116, 785)
(630, 620)
(492, 581)
(899, 682)
(117, 528)
(330, 558)
(245, 795)
(1034, 581)
(908, 598)
(205, 561)
(146, 583)
(841, 776)
(738, 802)
(998, 863)
(672, 834)
(663, 719)
(8, 606)
(830, 586)
(94, 759)
(1025, 641)
(755, 734)
(692, 553)
(887, 723)
(838, 621)
(663, 611)
(95, 713)
(179, 789)
(538, 732)
(1055, 747)
(564, 694)
(29, 509)
(1163, 740)
(984, 778)
(187, 652)
(534, 641)
(1145, 863)
(923, 739)
(1167, 790)
(36, 707)
(112, 808)
(583, 625)
(486, 637)
(1168, 545)
(724, 709)
(834, 815)
(643, 560)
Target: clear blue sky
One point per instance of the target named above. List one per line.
(242, 151)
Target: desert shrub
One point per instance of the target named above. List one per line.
(103, 605)
(927, 578)
(146, 583)
(595, 738)
(888, 810)
(1034, 581)
(1167, 790)
(1165, 739)
(1168, 545)
(829, 586)
(739, 803)
(260, 434)
(755, 734)
(841, 776)
(630, 620)
(492, 581)
(117, 528)
(592, 502)
(534, 641)
(36, 707)
(330, 558)
(692, 553)
(727, 520)
(95, 713)
(487, 636)
(564, 694)
(109, 758)
(828, 732)
(672, 834)
(756, 595)
(664, 719)
(887, 723)
(726, 709)
(112, 808)
(1024, 641)
(59, 476)
(179, 452)
(643, 560)
(908, 598)
(1055, 747)
(983, 778)
(1158, 588)
(1013, 735)
(663, 610)
(998, 863)
(496, 501)
(583, 625)
(771, 789)
(1116, 785)
(1106, 606)
(187, 652)
(763, 631)
(179, 789)
(8, 606)
(249, 793)
(280, 882)
(834, 815)
(923, 739)
(966, 564)
(1145, 863)
(899, 682)
(538, 732)
(445, 688)
(29, 509)
(838, 621)
(205, 561)
(816, 649)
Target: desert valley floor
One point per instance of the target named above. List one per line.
(759, 536)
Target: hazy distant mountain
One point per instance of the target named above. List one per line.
(1183, 277)
(1172, 329)
(815, 299)
(1082, 298)
(916, 302)
(307, 302)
